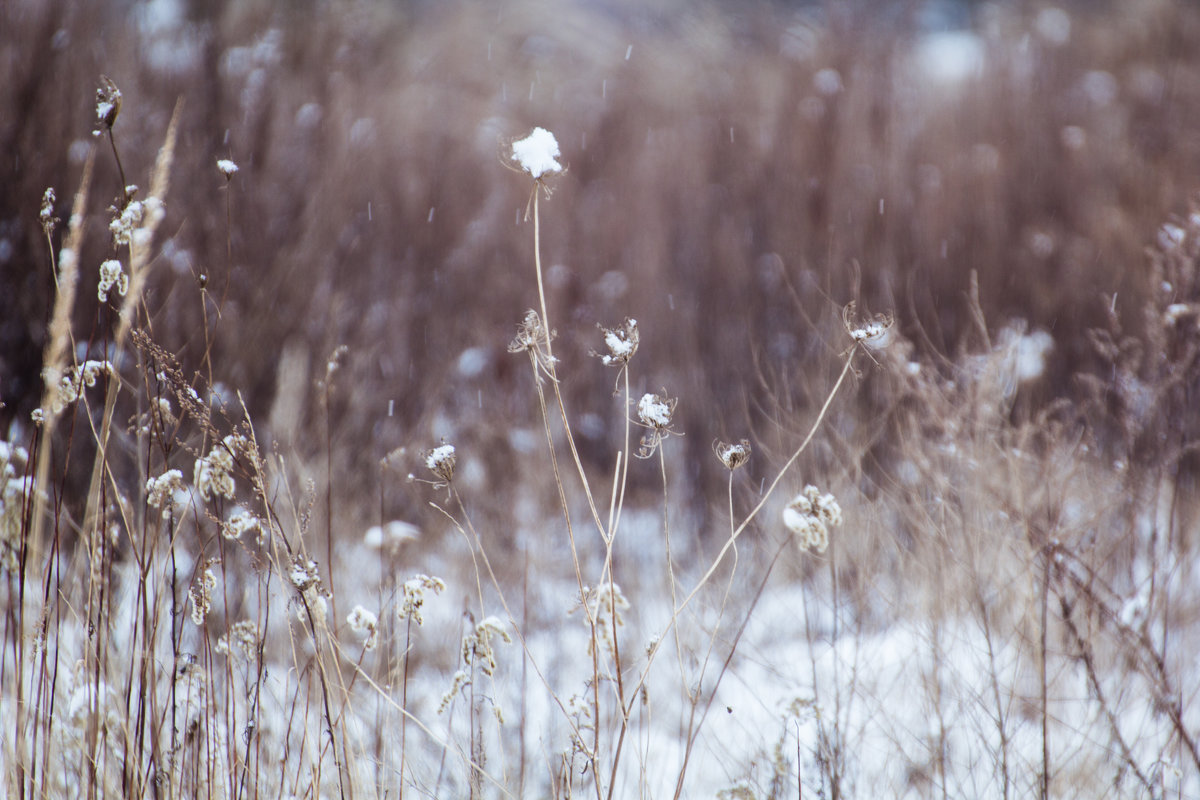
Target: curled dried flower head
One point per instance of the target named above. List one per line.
(733, 455)
(621, 343)
(533, 338)
(108, 102)
(537, 153)
(809, 517)
(874, 332)
(112, 274)
(440, 461)
(227, 167)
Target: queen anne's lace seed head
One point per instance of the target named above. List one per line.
(874, 332)
(537, 153)
(655, 410)
(620, 342)
(733, 455)
(654, 413)
(440, 461)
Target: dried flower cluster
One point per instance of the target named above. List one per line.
(161, 490)
(414, 596)
(227, 167)
(621, 343)
(112, 274)
(213, 474)
(809, 517)
(201, 595)
(477, 651)
(240, 522)
(70, 386)
(604, 604)
(243, 638)
(14, 493)
(733, 455)
(440, 461)
(654, 413)
(364, 623)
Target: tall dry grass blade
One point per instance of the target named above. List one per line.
(55, 359)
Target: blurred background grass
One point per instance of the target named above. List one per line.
(737, 172)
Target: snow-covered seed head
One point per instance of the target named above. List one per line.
(654, 413)
(440, 461)
(415, 589)
(240, 522)
(733, 455)
(160, 490)
(242, 640)
(304, 575)
(874, 332)
(537, 153)
(227, 168)
(655, 410)
(201, 595)
(621, 343)
(108, 102)
(809, 517)
(112, 274)
(366, 625)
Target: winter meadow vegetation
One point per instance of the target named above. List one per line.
(564, 399)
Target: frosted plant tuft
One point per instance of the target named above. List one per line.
(415, 589)
(227, 167)
(654, 413)
(621, 343)
(809, 517)
(537, 153)
(440, 461)
(111, 274)
(364, 623)
(733, 455)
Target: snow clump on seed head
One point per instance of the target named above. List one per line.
(537, 153)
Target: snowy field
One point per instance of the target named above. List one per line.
(664, 400)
